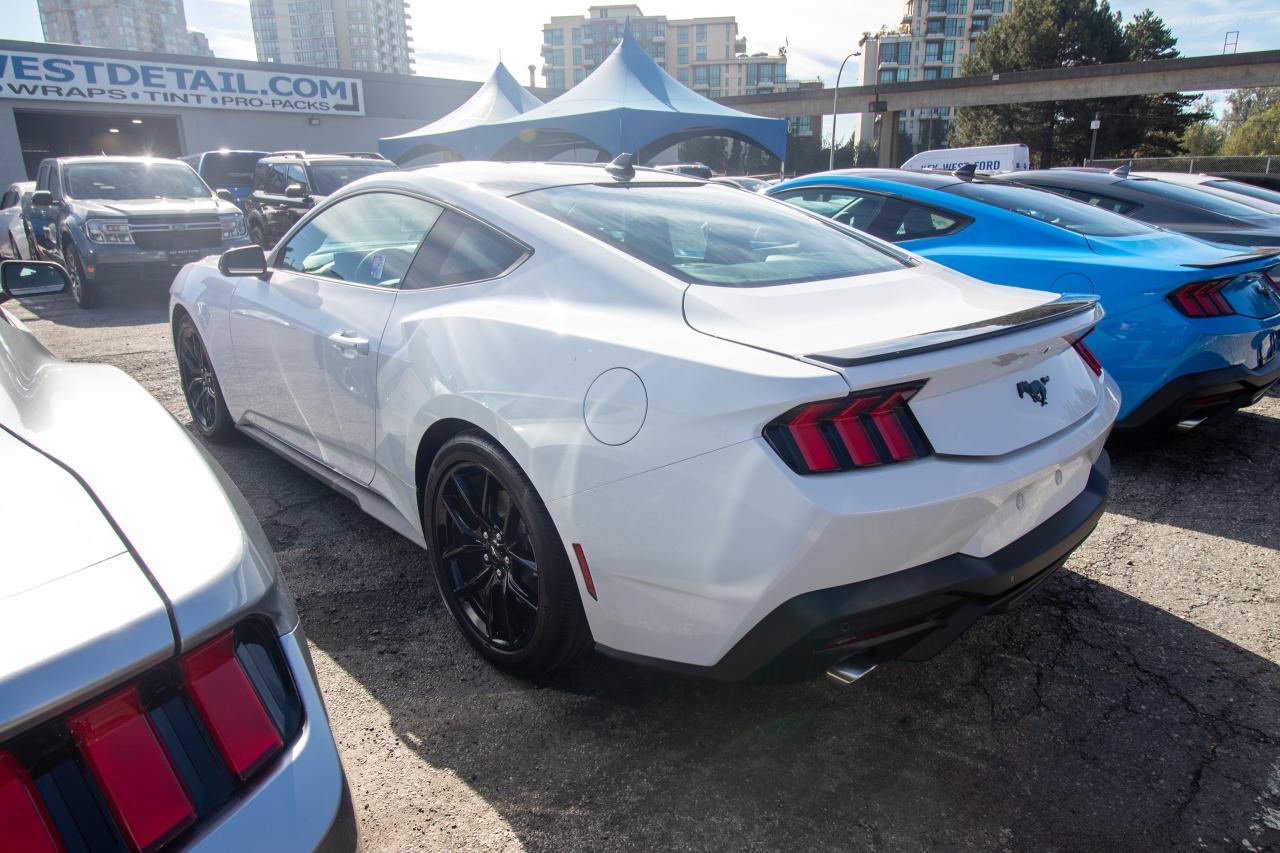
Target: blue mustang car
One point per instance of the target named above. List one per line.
(1192, 328)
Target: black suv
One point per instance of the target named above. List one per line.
(287, 184)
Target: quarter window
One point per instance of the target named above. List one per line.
(1105, 202)
(460, 249)
(368, 239)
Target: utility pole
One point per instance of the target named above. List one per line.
(1094, 125)
(835, 93)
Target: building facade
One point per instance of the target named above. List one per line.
(150, 25)
(930, 43)
(361, 35)
(706, 54)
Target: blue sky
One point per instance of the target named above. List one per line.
(456, 40)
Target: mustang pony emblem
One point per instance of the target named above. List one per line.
(1036, 389)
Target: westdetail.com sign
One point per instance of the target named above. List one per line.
(62, 77)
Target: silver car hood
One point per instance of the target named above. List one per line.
(130, 546)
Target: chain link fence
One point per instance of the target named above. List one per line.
(1263, 165)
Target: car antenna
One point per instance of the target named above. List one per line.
(966, 172)
(622, 168)
(1121, 171)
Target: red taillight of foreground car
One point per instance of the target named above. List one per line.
(24, 822)
(1086, 354)
(175, 745)
(227, 703)
(135, 774)
(864, 429)
(1203, 299)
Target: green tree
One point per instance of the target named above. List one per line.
(1258, 133)
(1041, 34)
(712, 151)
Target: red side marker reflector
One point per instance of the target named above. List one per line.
(229, 706)
(125, 755)
(24, 823)
(586, 570)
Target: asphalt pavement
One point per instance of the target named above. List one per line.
(1133, 704)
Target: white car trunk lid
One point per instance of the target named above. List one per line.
(1000, 370)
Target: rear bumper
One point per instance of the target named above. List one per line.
(1208, 394)
(910, 615)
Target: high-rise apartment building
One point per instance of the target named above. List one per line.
(152, 25)
(929, 44)
(363, 35)
(706, 54)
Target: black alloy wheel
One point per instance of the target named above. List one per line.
(498, 560)
(200, 385)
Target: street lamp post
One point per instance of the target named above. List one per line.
(835, 93)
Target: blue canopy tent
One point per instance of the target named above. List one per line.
(628, 105)
(500, 97)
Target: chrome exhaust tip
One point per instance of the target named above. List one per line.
(848, 671)
(1190, 424)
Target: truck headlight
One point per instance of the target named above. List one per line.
(108, 231)
(232, 226)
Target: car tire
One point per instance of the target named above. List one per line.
(498, 561)
(257, 234)
(200, 386)
(86, 293)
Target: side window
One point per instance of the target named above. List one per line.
(55, 182)
(279, 178)
(850, 207)
(903, 220)
(262, 177)
(369, 239)
(42, 177)
(9, 199)
(1105, 202)
(298, 175)
(460, 249)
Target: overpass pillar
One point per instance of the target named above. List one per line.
(889, 139)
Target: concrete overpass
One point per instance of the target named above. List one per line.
(1081, 82)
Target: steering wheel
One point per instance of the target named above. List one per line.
(382, 267)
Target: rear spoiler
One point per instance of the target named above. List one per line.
(1242, 258)
(1049, 312)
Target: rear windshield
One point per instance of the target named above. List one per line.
(1196, 198)
(1241, 188)
(119, 181)
(1052, 208)
(229, 170)
(709, 234)
(328, 178)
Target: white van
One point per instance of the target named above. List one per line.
(986, 158)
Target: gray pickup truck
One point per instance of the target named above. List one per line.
(117, 222)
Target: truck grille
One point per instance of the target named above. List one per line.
(168, 236)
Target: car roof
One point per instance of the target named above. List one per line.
(927, 180)
(114, 158)
(1177, 177)
(518, 177)
(1066, 177)
(22, 186)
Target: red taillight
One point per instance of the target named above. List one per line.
(1086, 354)
(24, 823)
(229, 706)
(1203, 299)
(124, 754)
(866, 428)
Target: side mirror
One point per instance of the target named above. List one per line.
(41, 198)
(31, 278)
(243, 260)
(225, 195)
(295, 191)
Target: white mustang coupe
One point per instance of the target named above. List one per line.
(667, 419)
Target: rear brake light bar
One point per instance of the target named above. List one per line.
(1086, 354)
(24, 822)
(862, 430)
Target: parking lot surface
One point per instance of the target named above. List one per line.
(1134, 704)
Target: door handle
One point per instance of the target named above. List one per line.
(348, 341)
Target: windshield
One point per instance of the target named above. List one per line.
(119, 181)
(1053, 209)
(234, 169)
(1193, 197)
(1241, 188)
(708, 234)
(328, 178)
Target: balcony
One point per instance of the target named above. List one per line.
(547, 48)
(936, 13)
